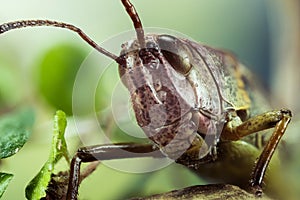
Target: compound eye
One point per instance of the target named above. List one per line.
(175, 52)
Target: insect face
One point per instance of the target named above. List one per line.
(162, 97)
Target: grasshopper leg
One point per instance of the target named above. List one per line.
(266, 155)
(280, 119)
(106, 152)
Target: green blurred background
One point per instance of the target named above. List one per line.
(38, 65)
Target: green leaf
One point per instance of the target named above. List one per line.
(15, 131)
(4, 181)
(36, 189)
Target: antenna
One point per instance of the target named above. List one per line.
(129, 9)
(31, 23)
(136, 22)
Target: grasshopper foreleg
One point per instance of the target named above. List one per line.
(106, 152)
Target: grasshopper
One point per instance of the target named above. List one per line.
(195, 103)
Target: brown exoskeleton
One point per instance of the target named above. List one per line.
(194, 102)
